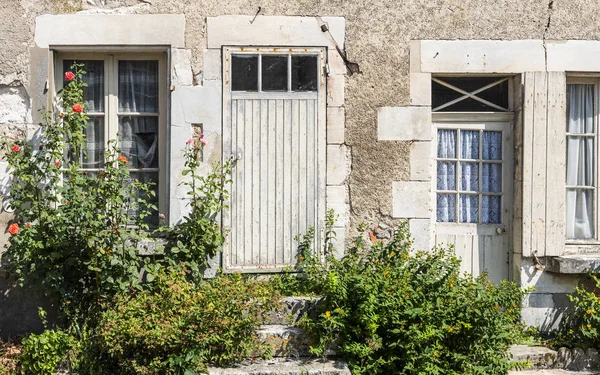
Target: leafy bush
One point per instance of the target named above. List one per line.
(76, 234)
(581, 326)
(178, 327)
(392, 311)
(43, 353)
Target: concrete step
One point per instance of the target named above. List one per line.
(285, 366)
(293, 308)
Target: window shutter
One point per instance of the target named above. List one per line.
(543, 163)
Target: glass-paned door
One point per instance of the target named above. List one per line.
(473, 198)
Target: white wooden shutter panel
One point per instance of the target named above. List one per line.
(544, 169)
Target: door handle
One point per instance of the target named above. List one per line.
(500, 230)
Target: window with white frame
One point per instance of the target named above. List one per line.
(581, 182)
(124, 100)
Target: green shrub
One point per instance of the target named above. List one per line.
(392, 311)
(581, 326)
(178, 327)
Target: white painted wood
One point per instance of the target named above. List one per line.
(276, 193)
(483, 247)
(544, 150)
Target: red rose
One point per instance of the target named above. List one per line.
(57, 163)
(122, 158)
(77, 108)
(13, 229)
(62, 115)
(16, 148)
(69, 76)
(28, 225)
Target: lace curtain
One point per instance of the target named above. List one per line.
(580, 161)
(473, 184)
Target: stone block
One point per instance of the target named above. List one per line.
(336, 63)
(404, 124)
(110, 30)
(420, 89)
(544, 281)
(38, 76)
(415, 56)
(411, 199)
(482, 56)
(198, 105)
(540, 357)
(339, 242)
(420, 161)
(181, 67)
(335, 90)
(15, 105)
(337, 199)
(336, 125)
(422, 234)
(273, 31)
(338, 164)
(213, 68)
(573, 55)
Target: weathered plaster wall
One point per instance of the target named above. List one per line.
(378, 35)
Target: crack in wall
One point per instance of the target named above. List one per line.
(546, 28)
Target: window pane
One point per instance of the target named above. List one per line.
(491, 175)
(446, 175)
(492, 145)
(469, 176)
(580, 222)
(469, 144)
(305, 73)
(138, 86)
(244, 73)
(497, 94)
(274, 73)
(580, 161)
(446, 147)
(93, 94)
(147, 178)
(446, 208)
(138, 141)
(491, 209)
(93, 156)
(469, 208)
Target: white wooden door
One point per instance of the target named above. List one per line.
(474, 196)
(274, 127)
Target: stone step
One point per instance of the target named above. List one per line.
(542, 358)
(293, 308)
(551, 372)
(285, 366)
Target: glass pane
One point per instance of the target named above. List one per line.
(469, 144)
(446, 147)
(446, 208)
(580, 161)
(305, 73)
(274, 73)
(138, 141)
(491, 209)
(580, 109)
(497, 94)
(93, 94)
(492, 145)
(469, 176)
(469, 208)
(446, 175)
(580, 211)
(93, 155)
(244, 73)
(150, 178)
(491, 175)
(138, 86)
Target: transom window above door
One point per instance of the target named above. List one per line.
(470, 94)
(274, 72)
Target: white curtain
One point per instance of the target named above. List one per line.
(469, 176)
(580, 161)
(446, 175)
(138, 92)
